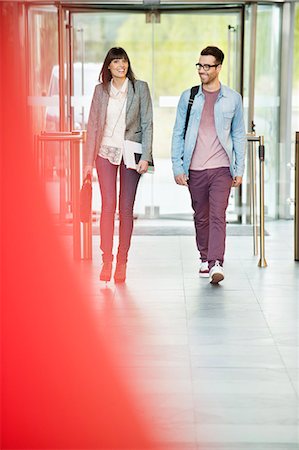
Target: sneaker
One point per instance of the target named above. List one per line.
(204, 270)
(216, 273)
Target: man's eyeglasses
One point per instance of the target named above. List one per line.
(205, 67)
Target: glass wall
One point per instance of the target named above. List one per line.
(267, 97)
(163, 48)
(295, 104)
(295, 122)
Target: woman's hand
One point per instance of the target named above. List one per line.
(142, 166)
(87, 170)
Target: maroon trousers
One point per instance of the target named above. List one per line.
(129, 179)
(210, 189)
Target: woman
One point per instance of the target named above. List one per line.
(121, 109)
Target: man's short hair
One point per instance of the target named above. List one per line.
(213, 51)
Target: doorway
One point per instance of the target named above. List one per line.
(163, 47)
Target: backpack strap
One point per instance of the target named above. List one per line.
(194, 91)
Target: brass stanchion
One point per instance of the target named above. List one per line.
(254, 202)
(62, 183)
(87, 240)
(36, 153)
(262, 262)
(296, 213)
(75, 190)
(87, 227)
(251, 139)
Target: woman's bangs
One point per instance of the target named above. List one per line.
(119, 53)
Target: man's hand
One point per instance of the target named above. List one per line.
(237, 181)
(181, 179)
(142, 166)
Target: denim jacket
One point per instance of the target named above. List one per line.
(229, 124)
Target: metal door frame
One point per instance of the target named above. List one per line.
(70, 9)
(65, 13)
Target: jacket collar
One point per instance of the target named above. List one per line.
(115, 91)
(130, 96)
(222, 93)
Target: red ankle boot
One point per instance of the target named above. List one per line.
(106, 271)
(120, 273)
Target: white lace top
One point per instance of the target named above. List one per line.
(114, 131)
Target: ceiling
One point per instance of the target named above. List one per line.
(152, 3)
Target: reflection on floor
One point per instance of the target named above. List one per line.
(215, 367)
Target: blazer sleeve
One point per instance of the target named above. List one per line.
(146, 120)
(92, 129)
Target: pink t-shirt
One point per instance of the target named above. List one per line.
(208, 152)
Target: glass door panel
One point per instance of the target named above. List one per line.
(42, 47)
(43, 95)
(178, 39)
(44, 89)
(163, 48)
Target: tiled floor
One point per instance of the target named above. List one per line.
(216, 367)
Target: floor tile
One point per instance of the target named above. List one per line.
(215, 367)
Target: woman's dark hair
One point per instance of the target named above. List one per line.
(214, 51)
(114, 53)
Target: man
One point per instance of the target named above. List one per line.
(209, 157)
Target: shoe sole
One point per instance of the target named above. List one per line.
(216, 278)
(204, 275)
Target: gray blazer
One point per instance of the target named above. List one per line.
(139, 120)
